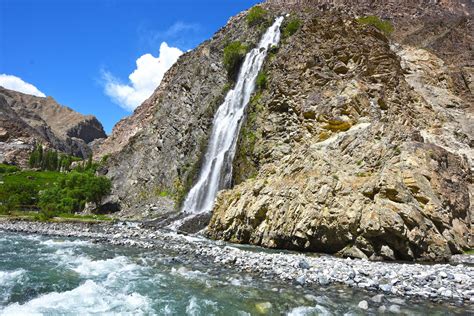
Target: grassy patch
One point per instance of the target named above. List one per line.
(39, 216)
(261, 81)
(52, 192)
(469, 252)
(234, 54)
(4, 168)
(256, 16)
(291, 27)
(383, 25)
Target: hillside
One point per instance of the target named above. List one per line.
(360, 142)
(27, 120)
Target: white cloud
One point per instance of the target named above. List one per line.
(17, 84)
(143, 80)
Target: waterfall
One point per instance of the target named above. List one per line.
(216, 170)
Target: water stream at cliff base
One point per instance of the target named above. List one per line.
(42, 275)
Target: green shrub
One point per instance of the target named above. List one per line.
(382, 25)
(291, 27)
(256, 16)
(72, 192)
(261, 81)
(18, 196)
(234, 53)
(4, 168)
(46, 159)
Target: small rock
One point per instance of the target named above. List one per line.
(363, 305)
(323, 280)
(263, 308)
(377, 298)
(301, 280)
(303, 264)
(394, 309)
(385, 287)
(397, 300)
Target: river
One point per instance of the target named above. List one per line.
(63, 276)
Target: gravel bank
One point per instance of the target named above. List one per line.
(449, 283)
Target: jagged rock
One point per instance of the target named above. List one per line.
(159, 148)
(362, 179)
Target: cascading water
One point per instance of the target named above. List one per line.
(216, 171)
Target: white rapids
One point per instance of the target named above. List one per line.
(216, 171)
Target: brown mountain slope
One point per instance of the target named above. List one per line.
(27, 120)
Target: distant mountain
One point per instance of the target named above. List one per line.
(27, 120)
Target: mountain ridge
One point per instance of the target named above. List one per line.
(31, 120)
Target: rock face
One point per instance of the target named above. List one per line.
(360, 144)
(155, 154)
(27, 120)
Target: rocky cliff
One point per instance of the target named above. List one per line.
(27, 120)
(360, 144)
(155, 154)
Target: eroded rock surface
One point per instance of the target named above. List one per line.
(358, 147)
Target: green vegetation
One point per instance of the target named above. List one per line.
(382, 25)
(256, 16)
(72, 192)
(234, 54)
(291, 27)
(52, 193)
(246, 161)
(261, 81)
(45, 159)
(4, 168)
(469, 252)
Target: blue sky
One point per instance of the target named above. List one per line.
(81, 52)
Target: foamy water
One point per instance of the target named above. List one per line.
(54, 276)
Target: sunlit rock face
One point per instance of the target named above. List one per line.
(360, 143)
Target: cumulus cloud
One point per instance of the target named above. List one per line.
(143, 80)
(14, 83)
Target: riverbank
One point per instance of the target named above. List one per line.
(390, 283)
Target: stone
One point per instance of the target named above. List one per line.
(377, 298)
(394, 309)
(386, 287)
(363, 305)
(303, 264)
(263, 308)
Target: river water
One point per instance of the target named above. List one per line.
(56, 276)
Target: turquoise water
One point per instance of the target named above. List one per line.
(57, 276)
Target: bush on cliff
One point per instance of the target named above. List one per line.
(234, 53)
(4, 168)
(256, 16)
(261, 81)
(291, 27)
(382, 25)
